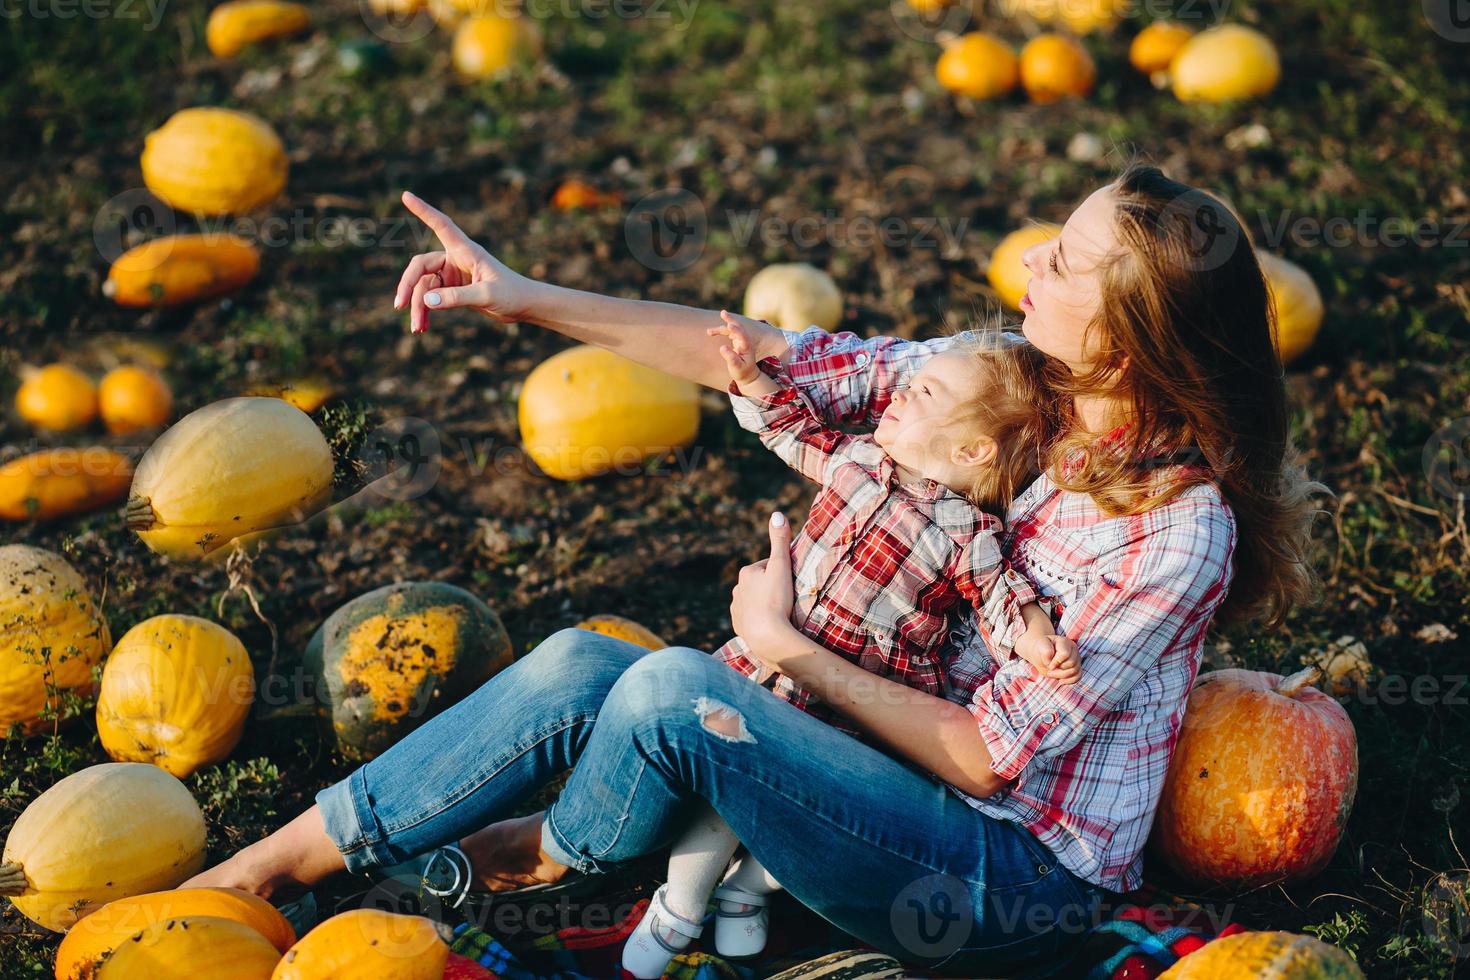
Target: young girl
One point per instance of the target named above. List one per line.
(901, 532)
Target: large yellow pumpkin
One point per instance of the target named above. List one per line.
(104, 833)
(192, 948)
(587, 411)
(1296, 304)
(1265, 956)
(214, 162)
(181, 269)
(367, 943)
(1225, 63)
(133, 398)
(52, 635)
(87, 942)
(237, 23)
(978, 66)
(1054, 66)
(489, 44)
(623, 629)
(175, 692)
(59, 482)
(57, 397)
(231, 468)
(1008, 275)
(1262, 780)
(794, 296)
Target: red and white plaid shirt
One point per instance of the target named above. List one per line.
(1087, 761)
(878, 564)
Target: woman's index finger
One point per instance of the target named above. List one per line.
(439, 222)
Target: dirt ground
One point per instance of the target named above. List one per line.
(765, 113)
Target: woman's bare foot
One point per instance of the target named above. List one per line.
(508, 855)
(293, 858)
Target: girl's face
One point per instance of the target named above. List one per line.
(917, 430)
(1064, 293)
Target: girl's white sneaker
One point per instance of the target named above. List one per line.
(659, 936)
(742, 922)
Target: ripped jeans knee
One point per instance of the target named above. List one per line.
(721, 720)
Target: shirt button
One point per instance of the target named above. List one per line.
(862, 359)
(1050, 718)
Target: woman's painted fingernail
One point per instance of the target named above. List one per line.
(431, 299)
(778, 519)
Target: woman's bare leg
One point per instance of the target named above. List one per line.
(300, 854)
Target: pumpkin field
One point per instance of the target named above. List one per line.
(223, 454)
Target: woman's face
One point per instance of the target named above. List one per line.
(1065, 289)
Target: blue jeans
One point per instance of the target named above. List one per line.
(874, 845)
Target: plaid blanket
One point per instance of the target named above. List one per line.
(1146, 932)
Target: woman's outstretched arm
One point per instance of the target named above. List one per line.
(462, 274)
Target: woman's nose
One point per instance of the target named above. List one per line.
(1032, 257)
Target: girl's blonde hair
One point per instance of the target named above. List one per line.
(1014, 406)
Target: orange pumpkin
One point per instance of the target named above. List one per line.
(1262, 780)
(57, 397)
(96, 935)
(1055, 66)
(133, 398)
(367, 943)
(623, 629)
(59, 482)
(575, 194)
(190, 948)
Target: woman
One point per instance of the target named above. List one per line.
(1000, 815)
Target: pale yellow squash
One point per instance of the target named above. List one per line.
(52, 636)
(1224, 64)
(227, 470)
(587, 411)
(214, 162)
(237, 23)
(104, 833)
(175, 692)
(794, 296)
(1296, 305)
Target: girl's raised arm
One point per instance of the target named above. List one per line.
(665, 336)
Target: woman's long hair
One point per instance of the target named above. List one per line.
(1186, 327)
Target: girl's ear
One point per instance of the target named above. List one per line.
(981, 452)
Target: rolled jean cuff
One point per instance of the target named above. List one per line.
(349, 822)
(559, 849)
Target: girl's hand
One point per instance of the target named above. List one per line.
(739, 354)
(1065, 664)
(463, 274)
(760, 608)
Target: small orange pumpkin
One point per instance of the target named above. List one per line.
(367, 943)
(977, 66)
(1054, 66)
(133, 398)
(96, 935)
(1262, 780)
(57, 397)
(623, 629)
(59, 482)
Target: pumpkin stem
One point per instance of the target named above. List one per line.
(1295, 682)
(12, 879)
(139, 513)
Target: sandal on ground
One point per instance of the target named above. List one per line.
(647, 953)
(741, 933)
(443, 873)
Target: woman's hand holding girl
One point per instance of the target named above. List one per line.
(760, 607)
